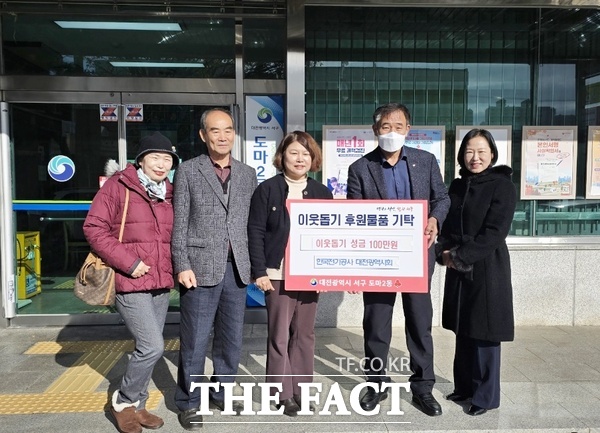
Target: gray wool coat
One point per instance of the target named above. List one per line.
(205, 223)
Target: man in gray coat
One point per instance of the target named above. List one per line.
(210, 258)
(396, 172)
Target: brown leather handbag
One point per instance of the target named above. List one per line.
(95, 281)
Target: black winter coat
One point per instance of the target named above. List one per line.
(478, 303)
(269, 221)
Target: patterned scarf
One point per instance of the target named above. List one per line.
(155, 190)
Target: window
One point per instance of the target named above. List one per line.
(193, 48)
(457, 66)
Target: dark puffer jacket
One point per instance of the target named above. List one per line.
(478, 302)
(147, 234)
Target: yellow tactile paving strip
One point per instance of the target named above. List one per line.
(54, 347)
(23, 404)
(87, 372)
(75, 389)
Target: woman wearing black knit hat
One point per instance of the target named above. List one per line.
(142, 263)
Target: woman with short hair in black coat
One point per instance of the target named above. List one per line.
(478, 305)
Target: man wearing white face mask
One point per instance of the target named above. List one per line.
(393, 171)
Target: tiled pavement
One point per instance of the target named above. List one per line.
(60, 379)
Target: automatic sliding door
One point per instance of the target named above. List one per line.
(179, 123)
(59, 153)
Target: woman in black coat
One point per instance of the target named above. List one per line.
(478, 304)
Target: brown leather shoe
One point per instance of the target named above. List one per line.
(126, 420)
(149, 420)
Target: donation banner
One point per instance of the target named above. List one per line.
(357, 245)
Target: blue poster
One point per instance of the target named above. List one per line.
(264, 130)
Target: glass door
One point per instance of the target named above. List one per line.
(59, 153)
(179, 123)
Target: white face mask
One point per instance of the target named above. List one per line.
(391, 142)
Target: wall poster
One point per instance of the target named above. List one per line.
(342, 145)
(549, 155)
(592, 189)
(429, 138)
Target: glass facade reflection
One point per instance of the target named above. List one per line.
(458, 66)
(264, 49)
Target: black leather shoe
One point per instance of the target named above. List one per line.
(456, 397)
(298, 401)
(371, 399)
(290, 407)
(476, 410)
(219, 404)
(189, 420)
(427, 403)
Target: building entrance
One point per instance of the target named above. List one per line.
(59, 149)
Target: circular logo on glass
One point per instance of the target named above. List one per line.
(265, 115)
(61, 168)
(313, 282)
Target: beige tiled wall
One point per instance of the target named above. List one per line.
(552, 285)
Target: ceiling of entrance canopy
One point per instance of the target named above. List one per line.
(188, 8)
(135, 38)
